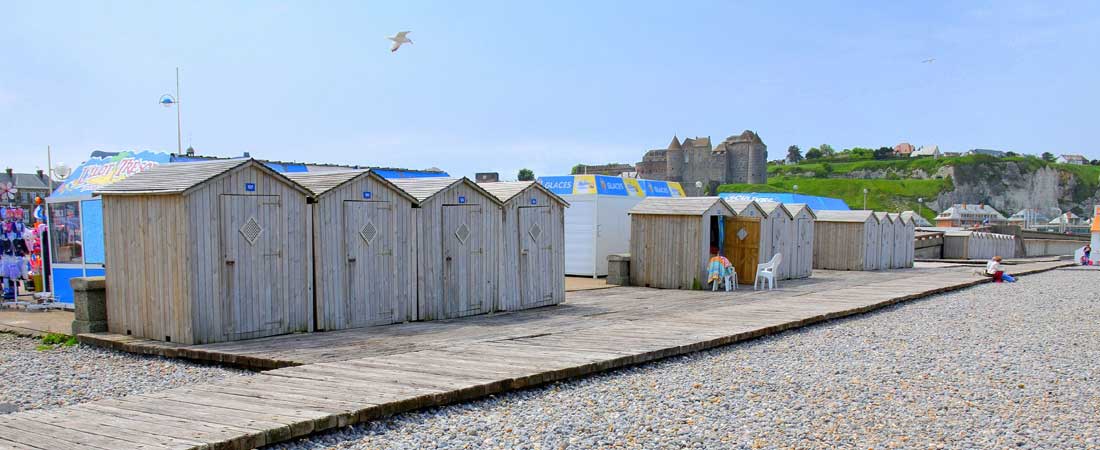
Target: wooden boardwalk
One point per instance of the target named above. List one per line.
(328, 380)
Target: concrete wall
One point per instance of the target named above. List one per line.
(1050, 247)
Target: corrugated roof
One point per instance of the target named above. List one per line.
(677, 206)
(774, 207)
(506, 190)
(175, 177)
(424, 188)
(857, 216)
(796, 209)
(739, 206)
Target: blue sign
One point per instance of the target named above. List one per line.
(655, 188)
(534, 201)
(562, 185)
(366, 195)
(462, 199)
(250, 187)
(606, 185)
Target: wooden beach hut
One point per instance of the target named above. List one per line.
(205, 252)
(364, 239)
(744, 250)
(802, 244)
(780, 237)
(846, 240)
(886, 238)
(910, 221)
(671, 240)
(899, 254)
(458, 247)
(532, 259)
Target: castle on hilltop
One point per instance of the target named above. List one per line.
(738, 159)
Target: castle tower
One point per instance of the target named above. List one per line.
(674, 160)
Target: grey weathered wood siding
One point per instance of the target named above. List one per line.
(671, 251)
(510, 274)
(430, 283)
(147, 243)
(292, 276)
(802, 248)
(332, 268)
(846, 245)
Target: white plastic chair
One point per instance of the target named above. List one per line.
(766, 271)
(730, 281)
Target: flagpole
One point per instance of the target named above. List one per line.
(179, 126)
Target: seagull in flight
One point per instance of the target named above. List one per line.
(927, 61)
(399, 39)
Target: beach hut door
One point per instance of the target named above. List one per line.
(465, 274)
(536, 267)
(368, 246)
(254, 264)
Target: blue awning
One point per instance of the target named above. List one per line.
(816, 203)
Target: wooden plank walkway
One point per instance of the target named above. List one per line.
(329, 380)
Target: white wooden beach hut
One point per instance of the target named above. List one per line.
(364, 239)
(458, 246)
(802, 242)
(671, 240)
(207, 252)
(780, 237)
(886, 239)
(532, 268)
(846, 240)
(898, 253)
(911, 222)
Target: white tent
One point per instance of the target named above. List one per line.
(596, 222)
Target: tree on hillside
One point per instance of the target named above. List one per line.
(858, 153)
(577, 169)
(526, 175)
(1011, 154)
(814, 153)
(794, 154)
(884, 153)
(1048, 157)
(827, 150)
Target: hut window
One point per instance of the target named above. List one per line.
(66, 243)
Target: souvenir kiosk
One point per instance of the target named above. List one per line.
(75, 218)
(596, 222)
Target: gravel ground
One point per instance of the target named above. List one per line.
(995, 366)
(34, 379)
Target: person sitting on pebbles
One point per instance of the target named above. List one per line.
(995, 269)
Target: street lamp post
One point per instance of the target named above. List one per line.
(865, 190)
(167, 100)
(920, 206)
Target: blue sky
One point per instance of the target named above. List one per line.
(496, 86)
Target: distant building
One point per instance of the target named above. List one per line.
(950, 154)
(903, 149)
(30, 185)
(487, 177)
(987, 152)
(921, 221)
(1073, 159)
(1068, 218)
(741, 158)
(967, 215)
(926, 150)
(1031, 218)
(611, 170)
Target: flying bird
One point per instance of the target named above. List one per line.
(925, 61)
(399, 39)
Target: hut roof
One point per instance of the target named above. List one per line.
(321, 182)
(739, 206)
(858, 216)
(424, 188)
(506, 190)
(917, 220)
(797, 208)
(896, 218)
(678, 206)
(176, 178)
(884, 217)
(775, 208)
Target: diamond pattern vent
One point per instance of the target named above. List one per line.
(251, 230)
(535, 231)
(368, 232)
(741, 234)
(462, 233)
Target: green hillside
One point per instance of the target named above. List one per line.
(882, 195)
